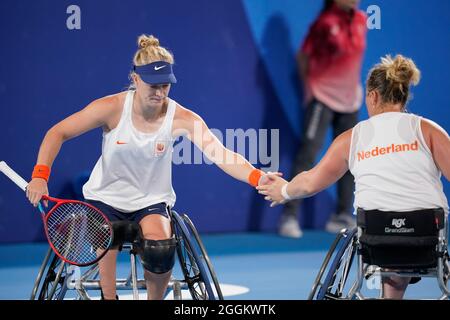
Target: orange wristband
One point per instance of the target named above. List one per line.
(254, 176)
(41, 171)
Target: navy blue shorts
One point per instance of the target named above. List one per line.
(136, 216)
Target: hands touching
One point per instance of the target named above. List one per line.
(271, 185)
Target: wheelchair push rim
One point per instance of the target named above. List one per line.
(212, 273)
(321, 289)
(191, 255)
(51, 282)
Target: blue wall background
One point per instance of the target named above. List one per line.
(247, 80)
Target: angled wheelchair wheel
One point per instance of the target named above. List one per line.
(40, 276)
(51, 281)
(210, 270)
(194, 261)
(330, 283)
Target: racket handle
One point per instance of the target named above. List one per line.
(10, 173)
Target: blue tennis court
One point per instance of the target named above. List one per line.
(108, 102)
(249, 266)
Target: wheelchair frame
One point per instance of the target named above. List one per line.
(55, 277)
(331, 281)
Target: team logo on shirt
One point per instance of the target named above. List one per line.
(160, 147)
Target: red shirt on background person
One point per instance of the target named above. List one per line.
(334, 47)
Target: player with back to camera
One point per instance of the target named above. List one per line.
(396, 158)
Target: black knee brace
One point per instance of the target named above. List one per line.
(158, 256)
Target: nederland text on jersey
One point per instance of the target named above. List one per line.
(393, 148)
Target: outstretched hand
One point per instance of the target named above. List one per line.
(265, 179)
(271, 189)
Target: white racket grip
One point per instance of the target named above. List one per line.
(10, 173)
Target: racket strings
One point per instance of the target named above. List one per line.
(78, 232)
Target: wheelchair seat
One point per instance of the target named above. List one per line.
(400, 239)
(385, 243)
(126, 232)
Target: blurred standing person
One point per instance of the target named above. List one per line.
(329, 64)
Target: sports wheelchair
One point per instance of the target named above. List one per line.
(57, 278)
(405, 244)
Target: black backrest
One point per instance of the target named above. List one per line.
(400, 239)
(425, 222)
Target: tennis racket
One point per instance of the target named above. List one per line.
(78, 233)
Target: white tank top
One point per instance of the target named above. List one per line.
(135, 168)
(393, 167)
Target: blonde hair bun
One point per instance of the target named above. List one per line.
(145, 41)
(392, 78)
(150, 51)
(401, 70)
